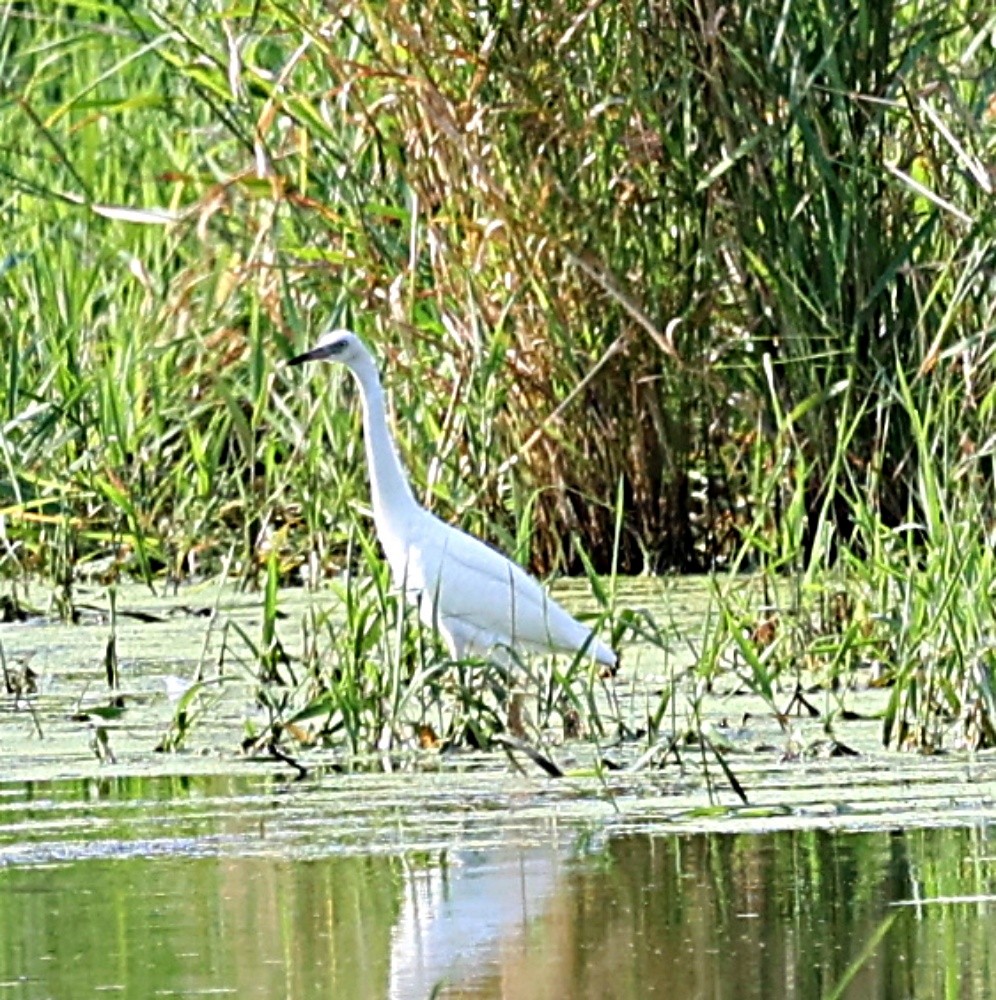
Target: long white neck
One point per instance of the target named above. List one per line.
(392, 497)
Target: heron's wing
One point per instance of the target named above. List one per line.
(466, 580)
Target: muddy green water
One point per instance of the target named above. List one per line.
(136, 873)
(248, 887)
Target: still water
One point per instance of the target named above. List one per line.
(209, 887)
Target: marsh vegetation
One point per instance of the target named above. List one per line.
(657, 287)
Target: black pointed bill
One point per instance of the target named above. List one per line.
(299, 359)
(321, 352)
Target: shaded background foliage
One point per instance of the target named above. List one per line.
(682, 253)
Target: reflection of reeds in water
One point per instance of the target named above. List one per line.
(724, 916)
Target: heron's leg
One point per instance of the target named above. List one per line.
(489, 680)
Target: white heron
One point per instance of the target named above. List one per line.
(476, 599)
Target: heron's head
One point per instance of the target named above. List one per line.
(335, 345)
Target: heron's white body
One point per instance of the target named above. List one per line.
(475, 597)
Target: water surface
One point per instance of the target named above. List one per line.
(196, 886)
(410, 874)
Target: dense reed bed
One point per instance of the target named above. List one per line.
(657, 286)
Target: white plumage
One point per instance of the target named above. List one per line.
(476, 598)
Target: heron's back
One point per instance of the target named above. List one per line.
(485, 599)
